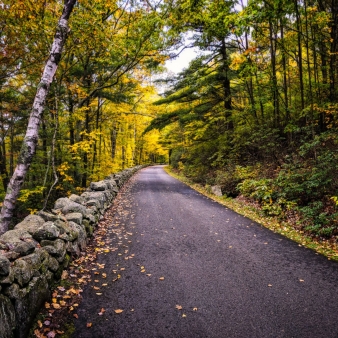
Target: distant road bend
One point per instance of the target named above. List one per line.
(192, 268)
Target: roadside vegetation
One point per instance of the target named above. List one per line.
(286, 226)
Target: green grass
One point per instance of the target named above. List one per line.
(326, 248)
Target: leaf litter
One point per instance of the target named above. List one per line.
(107, 238)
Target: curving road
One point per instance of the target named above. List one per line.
(191, 268)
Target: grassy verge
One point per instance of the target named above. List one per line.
(326, 248)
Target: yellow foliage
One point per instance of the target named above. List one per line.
(237, 60)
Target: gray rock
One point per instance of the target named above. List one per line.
(22, 248)
(93, 203)
(15, 235)
(216, 190)
(47, 231)
(5, 265)
(67, 206)
(82, 235)
(91, 218)
(8, 279)
(73, 248)
(53, 264)
(11, 255)
(30, 223)
(7, 317)
(57, 250)
(12, 291)
(47, 216)
(35, 259)
(99, 196)
(29, 303)
(19, 241)
(22, 272)
(76, 198)
(74, 217)
(98, 186)
(65, 229)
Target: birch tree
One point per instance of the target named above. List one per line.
(29, 144)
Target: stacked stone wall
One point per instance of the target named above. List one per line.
(34, 254)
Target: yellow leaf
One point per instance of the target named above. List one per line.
(161, 278)
(301, 280)
(194, 309)
(56, 306)
(178, 307)
(269, 284)
(89, 324)
(118, 311)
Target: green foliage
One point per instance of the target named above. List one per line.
(176, 157)
(311, 174)
(317, 221)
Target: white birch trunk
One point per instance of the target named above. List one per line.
(30, 141)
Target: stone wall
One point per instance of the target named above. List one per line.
(34, 254)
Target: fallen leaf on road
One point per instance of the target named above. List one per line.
(269, 284)
(75, 315)
(184, 315)
(178, 307)
(64, 275)
(89, 324)
(118, 311)
(195, 309)
(161, 278)
(301, 280)
(99, 293)
(102, 312)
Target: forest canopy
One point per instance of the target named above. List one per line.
(255, 112)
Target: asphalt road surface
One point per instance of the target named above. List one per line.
(183, 266)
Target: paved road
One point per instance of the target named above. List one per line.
(232, 277)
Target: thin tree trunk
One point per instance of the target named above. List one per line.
(52, 152)
(275, 93)
(30, 141)
(300, 56)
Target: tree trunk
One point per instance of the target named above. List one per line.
(300, 56)
(29, 144)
